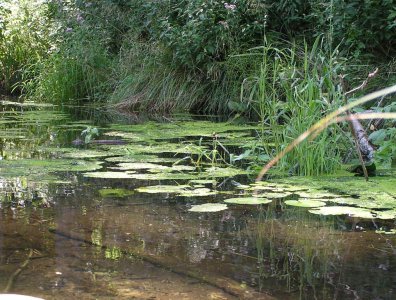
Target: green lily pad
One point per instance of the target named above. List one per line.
(154, 189)
(140, 166)
(274, 195)
(147, 158)
(316, 195)
(203, 181)
(24, 167)
(118, 193)
(343, 210)
(200, 192)
(248, 200)
(208, 207)
(223, 172)
(305, 203)
(392, 231)
(162, 176)
(80, 153)
(386, 215)
(109, 174)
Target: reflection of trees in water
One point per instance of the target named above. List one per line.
(309, 256)
(23, 192)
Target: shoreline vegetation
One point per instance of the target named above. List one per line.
(285, 64)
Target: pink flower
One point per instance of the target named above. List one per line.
(231, 7)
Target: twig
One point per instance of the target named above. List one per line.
(364, 83)
(14, 275)
(226, 284)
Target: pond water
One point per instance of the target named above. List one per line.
(161, 213)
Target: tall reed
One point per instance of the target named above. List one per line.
(294, 88)
(24, 40)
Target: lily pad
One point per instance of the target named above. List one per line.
(140, 166)
(119, 193)
(162, 176)
(386, 215)
(305, 203)
(248, 200)
(223, 172)
(109, 174)
(274, 195)
(343, 210)
(203, 181)
(80, 153)
(157, 189)
(141, 158)
(26, 167)
(316, 195)
(200, 192)
(209, 207)
(392, 231)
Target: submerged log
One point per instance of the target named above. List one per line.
(226, 284)
(366, 148)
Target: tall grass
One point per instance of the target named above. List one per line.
(147, 80)
(77, 73)
(24, 40)
(294, 89)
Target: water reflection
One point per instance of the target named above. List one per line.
(89, 245)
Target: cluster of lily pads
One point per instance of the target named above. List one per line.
(161, 151)
(373, 205)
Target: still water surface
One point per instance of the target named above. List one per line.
(67, 235)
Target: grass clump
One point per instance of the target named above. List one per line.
(25, 32)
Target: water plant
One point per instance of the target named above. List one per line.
(293, 89)
(333, 117)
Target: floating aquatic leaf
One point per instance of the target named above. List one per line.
(305, 203)
(248, 200)
(316, 195)
(162, 176)
(152, 130)
(119, 193)
(200, 192)
(154, 189)
(203, 181)
(182, 168)
(33, 166)
(26, 104)
(81, 153)
(274, 195)
(108, 175)
(343, 210)
(140, 166)
(209, 207)
(141, 158)
(392, 231)
(223, 172)
(386, 215)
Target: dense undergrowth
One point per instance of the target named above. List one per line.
(276, 61)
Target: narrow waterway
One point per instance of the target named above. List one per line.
(120, 217)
